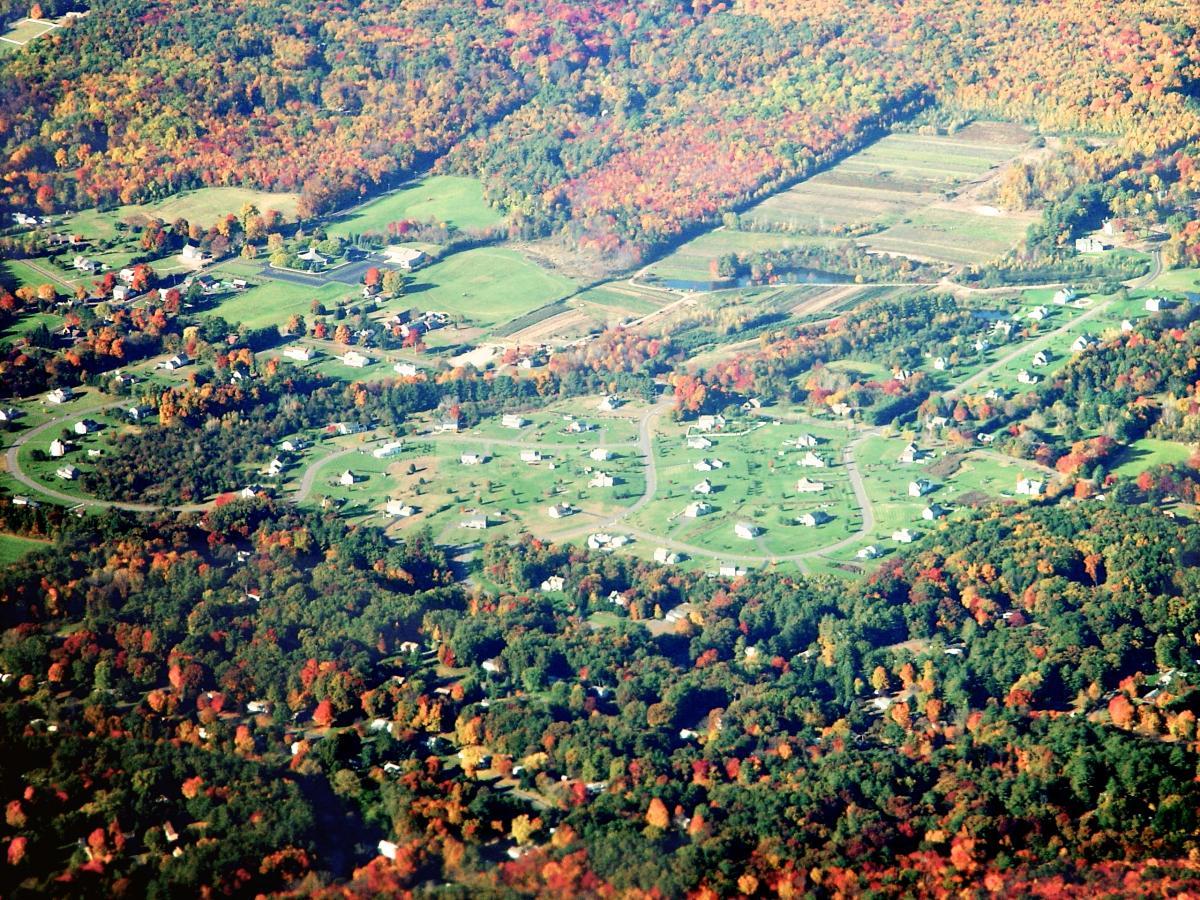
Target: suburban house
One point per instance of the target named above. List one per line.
(576, 426)
(1030, 487)
(300, 353)
(9, 414)
(919, 488)
(1026, 377)
(137, 413)
(512, 421)
(1041, 358)
(356, 360)
(192, 255)
(85, 426)
(808, 486)
(752, 404)
(704, 487)
(728, 571)
(408, 370)
(868, 552)
(292, 445)
(275, 467)
(940, 363)
(1092, 244)
(1039, 314)
(388, 450)
(745, 531)
(815, 518)
(560, 510)
(1063, 296)
(398, 509)
(806, 440)
(1084, 342)
(85, 265)
(602, 480)
(347, 478)
(121, 293)
(696, 510)
(933, 512)
(911, 454)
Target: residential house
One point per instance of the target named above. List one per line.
(575, 426)
(869, 552)
(477, 523)
(1030, 487)
(1159, 304)
(121, 293)
(512, 421)
(813, 461)
(292, 445)
(57, 449)
(933, 512)
(745, 531)
(1026, 377)
(704, 487)
(815, 518)
(347, 478)
(806, 440)
(1092, 244)
(941, 363)
(178, 361)
(560, 510)
(696, 510)
(554, 583)
(710, 423)
(356, 360)
(1063, 296)
(727, 571)
(1083, 342)
(408, 370)
(9, 414)
(1126, 326)
(191, 255)
(609, 403)
(698, 442)
(665, 557)
(904, 536)
(531, 456)
(300, 353)
(398, 509)
(911, 454)
(138, 413)
(60, 395)
(752, 404)
(1041, 358)
(1039, 314)
(602, 480)
(450, 423)
(919, 488)
(67, 473)
(600, 454)
(275, 467)
(388, 450)
(471, 459)
(807, 486)
(85, 265)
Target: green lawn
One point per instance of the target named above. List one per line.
(1146, 453)
(204, 206)
(691, 261)
(451, 199)
(271, 302)
(13, 548)
(487, 286)
(14, 274)
(27, 30)
(1187, 280)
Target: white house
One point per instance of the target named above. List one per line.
(602, 480)
(698, 442)
(347, 478)
(1039, 314)
(704, 487)
(121, 293)
(299, 353)
(471, 459)
(398, 509)
(408, 370)
(60, 395)
(728, 571)
(919, 488)
(745, 531)
(868, 552)
(478, 523)
(1158, 304)
(609, 403)
(191, 255)
(806, 440)
(1083, 342)
(554, 583)
(388, 450)
(1063, 296)
(941, 363)
(57, 448)
(752, 404)
(1040, 358)
(9, 414)
(1092, 244)
(560, 510)
(1026, 377)
(904, 536)
(696, 510)
(67, 473)
(808, 486)
(710, 423)
(933, 512)
(813, 461)
(531, 456)
(387, 849)
(814, 519)
(576, 426)
(600, 454)
(707, 465)
(911, 454)
(1030, 487)
(292, 445)
(178, 361)
(275, 467)
(356, 360)
(665, 557)
(1126, 326)
(512, 421)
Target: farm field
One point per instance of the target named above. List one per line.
(271, 302)
(204, 206)
(692, 261)
(486, 286)
(958, 236)
(450, 199)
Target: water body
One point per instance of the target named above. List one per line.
(789, 276)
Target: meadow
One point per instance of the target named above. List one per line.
(444, 199)
(204, 206)
(13, 547)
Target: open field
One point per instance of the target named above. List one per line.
(271, 302)
(204, 206)
(1146, 453)
(945, 234)
(450, 199)
(14, 547)
(692, 261)
(1187, 280)
(25, 30)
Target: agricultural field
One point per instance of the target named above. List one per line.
(271, 302)
(204, 206)
(692, 260)
(449, 199)
(944, 234)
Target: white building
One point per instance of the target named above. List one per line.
(67, 473)
(478, 523)
(299, 353)
(406, 369)
(512, 421)
(933, 512)
(600, 454)
(813, 461)
(347, 478)
(609, 403)
(808, 486)
(471, 459)
(698, 442)
(919, 488)
(60, 395)
(704, 487)
(398, 509)
(814, 519)
(904, 536)
(869, 552)
(554, 583)
(745, 531)
(85, 426)
(531, 456)
(665, 557)
(910, 454)
(388, 450)
(696, 510)
(602, 480)
(560, 510)
(710, 423)
(57, 448)
(1030, 487)
(356, 360)
(1026, 377)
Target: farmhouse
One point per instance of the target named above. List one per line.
(512, 421)
(356, 360)
(806, 440)
(450, 423)
(408, 370)
(808, 486)
(1063, 296)
(602, 480)
(869, 552)
(698, 442)
(813, 461)
(1029, 487)
(478, 523)
(178, 361)
(752, 404)
(554, 583)
(1084, 342)
(919, 488)
(60, 395)
(85, 265)
(137, 413)
(609, 403)
(67, 473)
(1126, 326)
(275, 467)
(745, 531)
(710, 423)
(388, 450)
(911, 454)
(560, 510)
(1159, 304)
(600, 454)
(704, 487)
(299, 354)
(665, 557)
(531, 456)
(398, 509)
(1092, 244)
(815, 518)
(577, 426)
(904, 536)
(933, 512)
(471, 459)
(192, 255)
(121, 293)
(1039, 314)
(1026, 377)
(347, 478)
(696, 510)
(941, 363)
(1041, 358)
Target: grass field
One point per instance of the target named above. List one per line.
(951, 235)
(1187, 280)
(1149, 452)
(26, 30)
(691, 261)
(451, 199)
(204, 206)
(271, 302)
(14, 547)
(487, 285)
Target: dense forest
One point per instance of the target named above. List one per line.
(621, 126)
